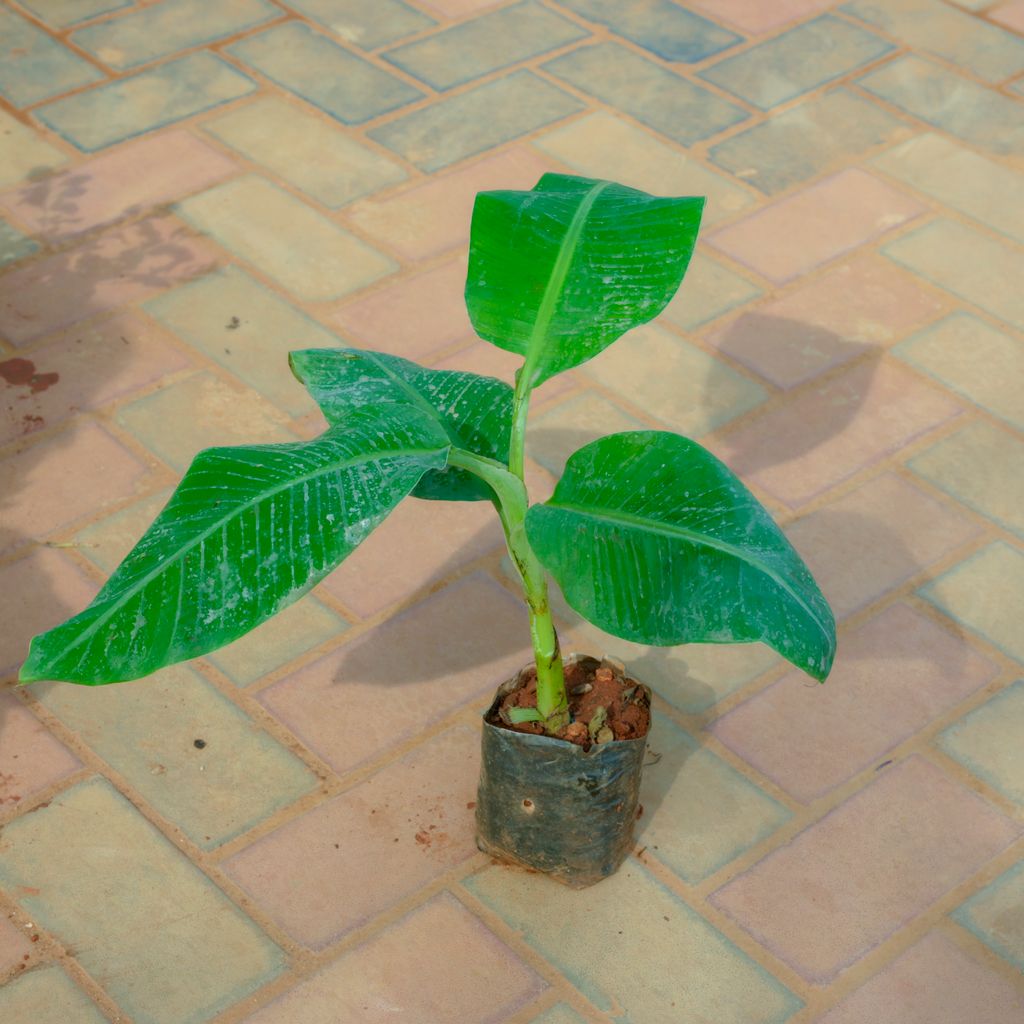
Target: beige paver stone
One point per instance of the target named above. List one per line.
(983, 466)
(658, 930)
(975, 359)
(157, 935)
(310, 256)
(893, 675)
(415, 971)
(147, 731)
(904, 529)
(453, 647)
(370, 847)
(206, 412)
(555, 434)
(987, 741)
(849, 881)
(830, 431)
(967, 262)
(956, 176)
(795, 234)
(309, 152)
(996, 915)
(725, 813)
(23, 153)
(709, 289)
(601, 145)
(288, 635)
(242, 325)
(47, 996)
(984, 593)
(674, 381)
(433, 216)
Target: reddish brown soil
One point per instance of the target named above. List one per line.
(629, 714)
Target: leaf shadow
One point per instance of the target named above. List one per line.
(54, 303)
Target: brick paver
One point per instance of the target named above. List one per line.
(190, 190)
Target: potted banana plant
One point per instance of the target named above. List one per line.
(648, 535)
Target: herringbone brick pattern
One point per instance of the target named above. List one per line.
(190, 189)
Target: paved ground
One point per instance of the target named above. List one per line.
(189, 189)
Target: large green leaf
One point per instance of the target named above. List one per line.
(558, 273)
(247, 532)
(652, 539)
(475, 412)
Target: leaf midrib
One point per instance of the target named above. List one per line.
(123, 596)
(682, 533)
(559, 272)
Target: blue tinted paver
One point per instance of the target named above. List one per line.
(663, 27)
(797, 61)
(327, 75)
(33, 66)
(653, 95)
(151, 99)
(367, 24)
(471, 122)
(62, 13)
(166, 28)
(492, 41)
(951, 102)
(806, 140)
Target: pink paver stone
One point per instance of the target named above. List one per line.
(861, 305)
(60, 479)
(1011, 15)
(15, 944)
(757, 16)
(419, 544)
(485, 640)
(94, 364)
(794, 235)
(866, 869)
(122, 265)
(393, 318)
(904, 529)
(831, 431)
(433, 217)
(31, 758)
(933, 982)
(38, 592)
(893, 676)
(415, 971)
(336, 867)
(130, 180)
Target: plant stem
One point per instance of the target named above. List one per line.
(511, 502)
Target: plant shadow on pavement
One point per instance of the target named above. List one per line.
(43, 395)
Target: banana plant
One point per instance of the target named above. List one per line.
(650, 537)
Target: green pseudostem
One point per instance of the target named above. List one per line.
(510, 491)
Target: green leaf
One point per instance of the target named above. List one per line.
(247, 531)
(558, 273)
(652, 539)
(475, 412)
